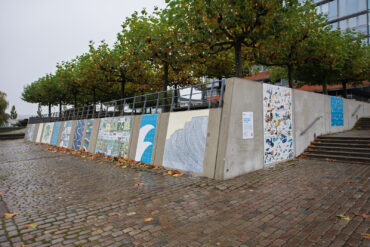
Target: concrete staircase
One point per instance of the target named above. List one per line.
(343, 148)
(363, 124)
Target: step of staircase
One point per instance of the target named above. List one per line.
(343, 138)
(338, 157)
(340, 144)
(345, 141)
(339, 149)
(340, 153)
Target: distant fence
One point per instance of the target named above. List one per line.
(201, 96)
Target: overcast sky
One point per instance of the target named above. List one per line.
(37, 34)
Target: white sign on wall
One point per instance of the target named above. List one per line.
(247, 120)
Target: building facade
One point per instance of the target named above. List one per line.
(347, 14)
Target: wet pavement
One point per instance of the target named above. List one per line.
(73, 201)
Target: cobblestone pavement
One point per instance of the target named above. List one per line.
(79, 202)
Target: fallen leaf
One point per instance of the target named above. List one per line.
(131, 213)
(365, 235)
(364, 190)
(218, 244)
(117, 164)
(135, 178)
(265, 191)
(311, 198)
(59, 197)
(343, 217)
(114, 213)
(1, 193)
(347, 181)
(148, 219)
(170, 172)
(123, 167)
(7, 215)
(342, 191)
(365, 216)
(138, 184)
(178, 175)
(28, 226)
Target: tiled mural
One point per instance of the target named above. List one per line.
(146, 137)
(47, 133)
(77, 138)
(336, 111)
(39, 132)
(54, 139)
(64, 138)
(186, 140)
(30, 132)
(88, 131)
(114, 136)
(278, 123)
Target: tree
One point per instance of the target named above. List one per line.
(356, 64)
(231, 25)
(291, 36)
(13, 113)
(39, 110)
(3, 105)
(324, 59)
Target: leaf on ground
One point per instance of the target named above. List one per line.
(131, 213)
(365, 235)
(365, 216)
(135, 178)
(148, 219)
(218, 244)
(178, 175)
(364, 190)
(114, 213)
(1, 193)
(7, 215)
(265, 191)
(123, 167)
(347, 181)
(117, 164)
(138, 184)
(342, 191)
(343, 217)
(170, 172)
(29, 226)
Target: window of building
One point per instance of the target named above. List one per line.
(362, 5)
(342, 7)
(343, 25)
(351, 6)
(333, 13)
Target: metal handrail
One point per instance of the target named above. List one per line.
(201, 96)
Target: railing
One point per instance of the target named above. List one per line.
(202, 96)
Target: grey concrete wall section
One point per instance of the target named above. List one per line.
(210, 153)
(42, 132)
(35, 132)
(160, 139)
(26, 131)
(309, 120)
(135, 128)
(60, 132)
(71, 136)
(355, 110)
(236, 155)
(94, 135)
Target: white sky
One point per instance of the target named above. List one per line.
(37, 34)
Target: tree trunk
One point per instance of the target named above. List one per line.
(94, 96)
(325, 86)
(290, 79)
(165, 84)
(60, 108)
(75, 99)
(123, 83)
(238, 59)
(344, 85)
(49, 110)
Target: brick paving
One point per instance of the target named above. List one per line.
(79, 202)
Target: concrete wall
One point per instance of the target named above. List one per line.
(236, 155)
(60, 132)
(160, 139)
(134, 137)
(224, 153)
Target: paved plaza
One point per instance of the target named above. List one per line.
(66, 200)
